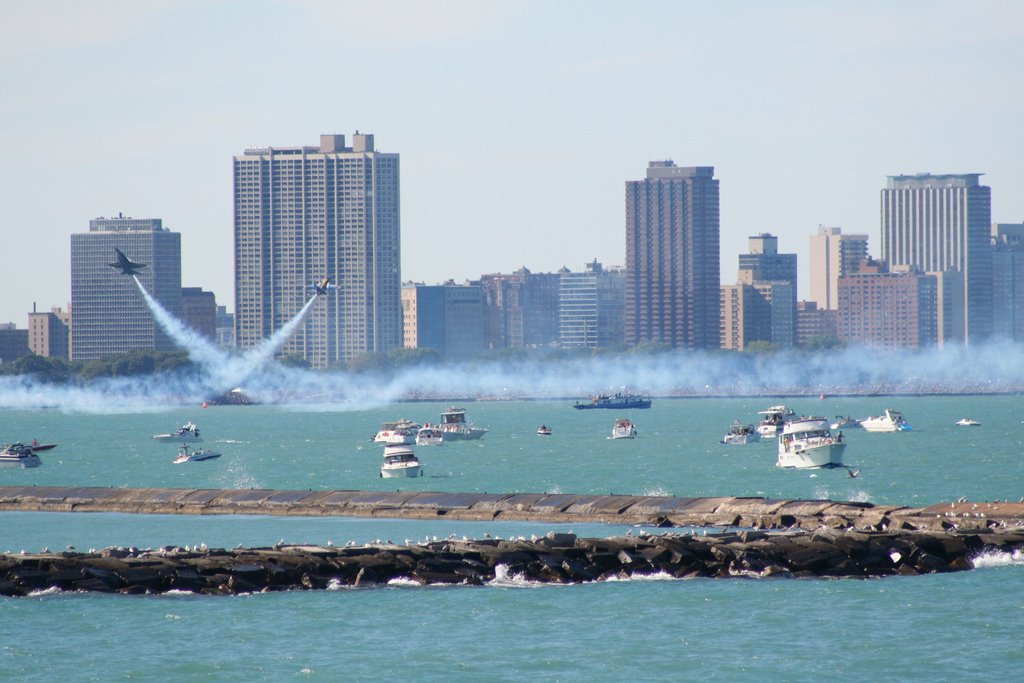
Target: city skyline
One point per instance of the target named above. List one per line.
(527, 120)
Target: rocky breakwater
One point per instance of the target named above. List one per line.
(555, 558)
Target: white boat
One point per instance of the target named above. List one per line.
(544, 430)
(741, 434)
(18, 455)
(845, 423)
(187, 432)
(807, 442)
(771, 424)
(401, 432)
(624, 429)
(194, 456)
(968, 422)
(400, 461)
(890, 421)
(429, 436)
(455, 427)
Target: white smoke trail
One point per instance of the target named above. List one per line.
(199, 348)
(265, 351)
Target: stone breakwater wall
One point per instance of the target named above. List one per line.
(660, 511)
(556, 558)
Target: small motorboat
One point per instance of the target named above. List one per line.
(774, 419)
(186, 432)
(624, 429)
(544, 430)
(400, 461)
(37, 447)
(890, 421)
(400, 432)
(194, 456)
(429, 436)
(845, 423)
(18, 455)
(455, 426)
(968, 422)
(741, 434)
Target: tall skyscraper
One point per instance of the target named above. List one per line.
(108, 314)
(832, 256)
(303, 213)
(672, 272)
(943, 223)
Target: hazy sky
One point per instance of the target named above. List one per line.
(517, 123)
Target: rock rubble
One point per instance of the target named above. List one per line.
(556, 558)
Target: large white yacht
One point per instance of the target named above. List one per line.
(807, 442)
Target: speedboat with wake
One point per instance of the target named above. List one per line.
(807, 443)
(186, 432)
(195, 456)
(400, 461)
(890, 421)
(18, 455)
(967, 422)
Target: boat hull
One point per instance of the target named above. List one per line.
(813, 457)
(465, 434)
(401, 472)
(178, 438)
(24, 461)
(741, 439)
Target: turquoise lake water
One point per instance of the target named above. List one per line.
(964, 626)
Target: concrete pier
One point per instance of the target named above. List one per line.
(659, 511)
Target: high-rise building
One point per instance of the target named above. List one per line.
(48, 333)
(590, 307)
(225, 327)
(199, 311)
(13, 343)
(832, 256)
(773, 275)
(447, 318)
(521, 309)
(943, 223)
(108, 314)
(746, 317)
(815, 326)
(887, 309)
(305, 213)
(1008, 281)
(672, 272)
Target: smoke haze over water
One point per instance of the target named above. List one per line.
(997, 367)
(993, 368)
